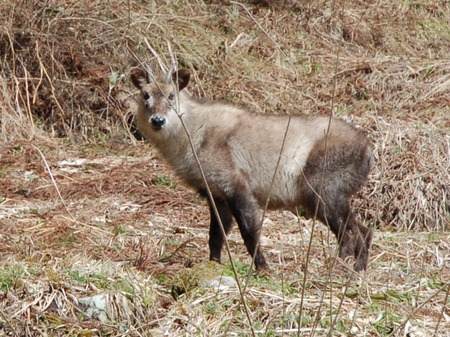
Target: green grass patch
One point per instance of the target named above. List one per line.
(10, 277)
(163, 181)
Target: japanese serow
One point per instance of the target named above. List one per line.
(323, 163)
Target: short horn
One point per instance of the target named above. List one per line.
(148, 74)
(168, 78)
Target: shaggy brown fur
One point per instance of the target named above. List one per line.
(319, 169)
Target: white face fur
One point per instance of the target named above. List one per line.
(148, 99)
(158, 103)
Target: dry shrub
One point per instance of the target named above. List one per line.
(58, 65)
(410, 185)
(381, 64)
(9, 118)
(14, 121)
(385, 62)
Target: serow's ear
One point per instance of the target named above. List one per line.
(139, 77)
(181, 77)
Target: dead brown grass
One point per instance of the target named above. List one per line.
(409, 187)
(113, 242)
(64, 70)
(127, 227)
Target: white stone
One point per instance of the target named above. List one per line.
(219, 283)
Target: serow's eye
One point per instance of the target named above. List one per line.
(171, 97)
(145, 95)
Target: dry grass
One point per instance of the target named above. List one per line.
(124, 229)
(129, 233)
(71, 81)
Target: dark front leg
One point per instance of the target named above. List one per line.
(216, 237)
(245, 210)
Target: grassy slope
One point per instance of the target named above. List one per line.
(123, 226)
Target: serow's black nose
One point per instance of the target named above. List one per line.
(157, 122)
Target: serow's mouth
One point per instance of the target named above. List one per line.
(156, 127)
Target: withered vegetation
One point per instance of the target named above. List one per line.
(86, 210)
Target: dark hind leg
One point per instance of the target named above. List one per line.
(245, 210)
(353, 238)
(362, 249)
(216, 237)
(342, 229)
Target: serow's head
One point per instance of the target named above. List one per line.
(158, 99)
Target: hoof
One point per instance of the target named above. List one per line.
(264, 272)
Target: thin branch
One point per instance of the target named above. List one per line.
(208, 191)
(53, 180)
